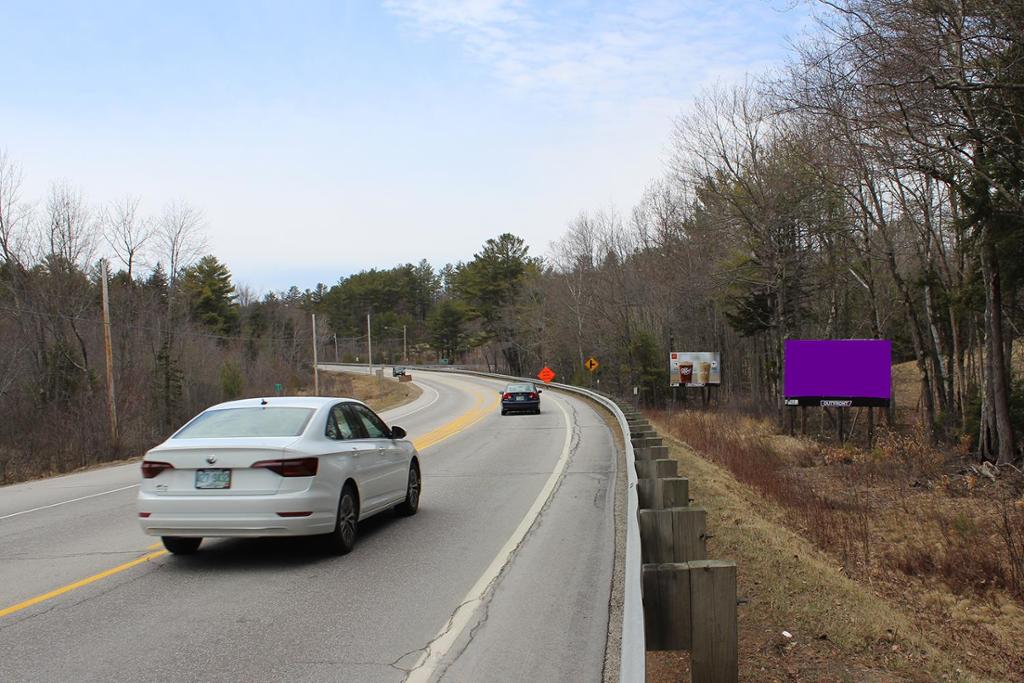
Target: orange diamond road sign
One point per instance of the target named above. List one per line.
(546, 375)
(591, 364)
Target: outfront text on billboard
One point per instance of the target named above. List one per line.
(837, 373)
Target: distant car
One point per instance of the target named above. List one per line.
(287, 466)
(397, 371)
(521, 397)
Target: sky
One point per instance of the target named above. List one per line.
(323, 138)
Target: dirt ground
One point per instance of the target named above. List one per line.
(893, 564)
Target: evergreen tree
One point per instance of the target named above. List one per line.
(210, 295)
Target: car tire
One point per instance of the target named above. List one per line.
(181, 545)
(409, 506)
(342, 540)
(504, 412)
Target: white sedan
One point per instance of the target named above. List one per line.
(277, 467)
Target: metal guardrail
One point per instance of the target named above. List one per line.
(633, 648)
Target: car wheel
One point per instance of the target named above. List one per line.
(409, 506)
(181, 545)
(504, 412)
(343, 538)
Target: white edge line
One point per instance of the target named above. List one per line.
(428, 662)
(402, 416)
(65, 502)
(632, 665)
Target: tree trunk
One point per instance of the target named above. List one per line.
(920, 353)
(998, 376)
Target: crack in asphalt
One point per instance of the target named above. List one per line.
(487, 596)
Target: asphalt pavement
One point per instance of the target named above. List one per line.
(503, 575)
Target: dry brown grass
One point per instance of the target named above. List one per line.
(907, 561)
(379, 393)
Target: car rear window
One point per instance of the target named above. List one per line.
(255, 421)
(519, 387)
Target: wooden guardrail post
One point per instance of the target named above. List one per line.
(666, 598)
(658, 494)
(651, 453)
(673, 535)
(657, 469)
(713, 651)
(647, 442)
(692, 606)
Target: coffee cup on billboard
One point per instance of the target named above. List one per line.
(704, 373)
(685, 372)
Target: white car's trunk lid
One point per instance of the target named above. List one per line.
(234, 457)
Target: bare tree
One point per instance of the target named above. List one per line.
(180, 238)
(14, 216)
(71, 236)
(126, 231)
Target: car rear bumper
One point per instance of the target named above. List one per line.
(236, 516)
(519, 405)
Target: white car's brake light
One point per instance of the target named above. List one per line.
(151, 468)
(294, 467)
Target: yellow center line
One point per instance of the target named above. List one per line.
(478, 412)
(445, 431)
(78, 584)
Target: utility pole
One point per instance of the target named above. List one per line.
(405, 346)
(316, 372)
(369, 343)
(109, 352)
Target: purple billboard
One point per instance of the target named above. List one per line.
(838, 372)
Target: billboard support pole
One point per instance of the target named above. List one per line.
(672, 345)
(871, 427)
(803, 420)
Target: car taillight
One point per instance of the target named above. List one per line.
(533, 396)
(151, 468)
(294, 467)
(506, 397)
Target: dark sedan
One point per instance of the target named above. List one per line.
(520, 398)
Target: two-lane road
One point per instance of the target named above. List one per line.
(505, 573)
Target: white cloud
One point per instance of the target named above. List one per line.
(590, 50)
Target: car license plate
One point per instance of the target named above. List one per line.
(520, 398)
(213, 479)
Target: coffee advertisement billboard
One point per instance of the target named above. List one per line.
(694, 369)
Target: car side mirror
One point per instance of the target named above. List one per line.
(397, 433)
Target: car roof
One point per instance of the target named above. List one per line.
(314, 402)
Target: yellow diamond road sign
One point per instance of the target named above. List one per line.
(591, 364)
